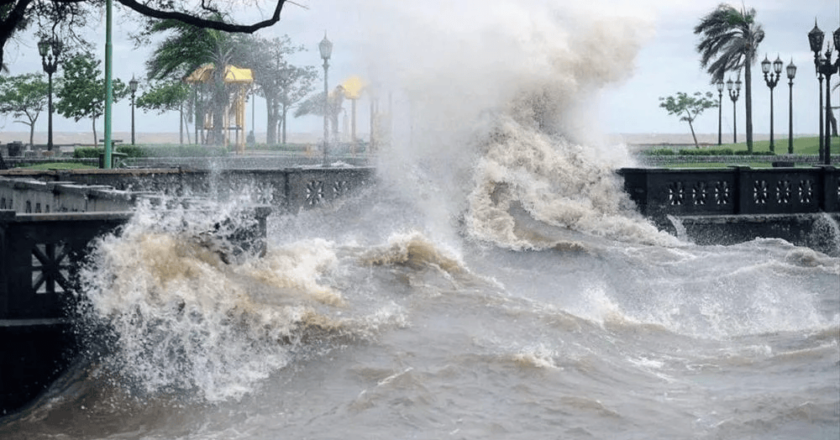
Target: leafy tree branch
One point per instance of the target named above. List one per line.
(688, 108)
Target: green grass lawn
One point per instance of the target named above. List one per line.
(801, 145)
(718, 165)
(59, 166)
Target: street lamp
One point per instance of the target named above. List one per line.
(326, 50)
(733, 95)
(132, 85)
(49, 50)
(719, 86)
(826, 68)
(772, 79)
(791, 72)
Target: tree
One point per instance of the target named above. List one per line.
(81, 91)
(188, 47)
(281, 84)
(164, 96)
(24, 95)
(688, 107)
(15, 15)
(295, 83)
(314, 105)
(730, 42)
(184, 49)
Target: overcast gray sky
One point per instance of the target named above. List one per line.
(618, 56)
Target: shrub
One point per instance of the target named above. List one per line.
(707, 152)
(130, 150)
(754, 153)
(94, 152)
(282, 147)
(177, 151)
(87, 152)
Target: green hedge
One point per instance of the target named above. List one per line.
(157, 151)
(754, 153)
(659, 152)
(282, 147)
(182, 151)
(705, 152)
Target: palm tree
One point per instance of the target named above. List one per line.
(729, 43)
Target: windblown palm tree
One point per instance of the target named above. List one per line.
(730, 42)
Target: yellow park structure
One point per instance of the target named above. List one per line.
(236, 109)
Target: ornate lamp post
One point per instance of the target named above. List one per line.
(719, 86)
(733, 95)
(820, 112)
(326, 50)
(132, 85)
(791, 72)
(49, 50)
(772, 79)
(825, 67)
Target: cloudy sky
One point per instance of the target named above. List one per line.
(615, 58)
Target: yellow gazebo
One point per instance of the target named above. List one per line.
(233, 75)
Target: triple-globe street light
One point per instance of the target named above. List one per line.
(132, 85)
(791, 72)
(826, 68)
(772, 79)
(50, 51)
(719, 86)
(326, 50)
(734, 93)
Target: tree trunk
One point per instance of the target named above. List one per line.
(283, 121)
(197, 116)
(334, 121)
(181, 123)
(219, 103)
(95, 140)
(691, 126)
(187, 127)
(271, 120)
(32, 135)
(748, 101)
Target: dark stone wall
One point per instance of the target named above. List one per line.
(39, 259)
(659, 193)
(33, 356)
(727, 206)
(816, 231)
(286, 190)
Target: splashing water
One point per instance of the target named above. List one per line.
(186, 319)
(495, 283)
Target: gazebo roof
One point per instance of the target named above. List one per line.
(353, 87)
(233, 75)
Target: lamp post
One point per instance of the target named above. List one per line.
(820, 112)
(772, 79)
(826, 68)
(733, 95)
(719, 86)
(791, 72)
(49, 50)
(326, 50)
(132, 85)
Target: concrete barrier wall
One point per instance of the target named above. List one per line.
(40, 255)
(816, 231)
(287, 190)
(733, 191)
(28, 196)
(799, 159)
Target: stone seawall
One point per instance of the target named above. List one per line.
(742, 160)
